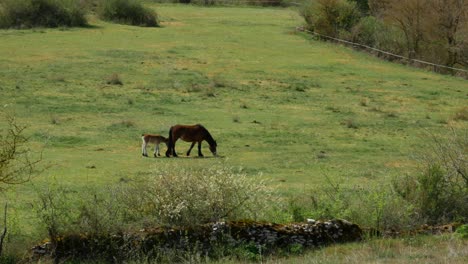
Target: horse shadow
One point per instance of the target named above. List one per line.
(198, 157)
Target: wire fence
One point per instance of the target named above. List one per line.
(434, 65)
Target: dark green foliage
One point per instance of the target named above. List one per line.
(365, 32)
(130, 12)
(329, 17)
(9, 259)
(436, 198)
(462, 231)
(41, 13)
(377, 33)
(363, 5)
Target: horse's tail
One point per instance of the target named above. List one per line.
(169, 143)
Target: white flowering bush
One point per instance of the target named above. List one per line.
(189, 196)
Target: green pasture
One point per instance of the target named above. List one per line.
(281, 105)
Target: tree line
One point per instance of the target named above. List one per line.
(430, 30)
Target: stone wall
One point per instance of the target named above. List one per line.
(205, 239)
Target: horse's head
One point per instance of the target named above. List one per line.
(213, 147)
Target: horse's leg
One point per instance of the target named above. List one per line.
(169, 149)
(190, 149)
(156, 150)
(174, 153)
(143, 149)
(199, 149)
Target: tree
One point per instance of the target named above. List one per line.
(449, 18)
(377, 7)
(16, 167)
(330, 17)
(410, 16)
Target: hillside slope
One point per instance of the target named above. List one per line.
(278, 103)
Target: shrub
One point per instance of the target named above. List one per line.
(376, 207)
(365, 32)
(177, 196)
(350, 123)
(462, 231)
(170, 196)
(54, 212)
(130, 12)
(41, 13)
(440, 191)
(373, 32)
(363, 5)
(461, 114)
(114, 79)
(329, 17)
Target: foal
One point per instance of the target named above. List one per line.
(151, 138)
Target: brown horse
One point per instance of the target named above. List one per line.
(195, 134)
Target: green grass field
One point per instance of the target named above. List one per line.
(281, 105)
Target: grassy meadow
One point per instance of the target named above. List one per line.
(281, 105)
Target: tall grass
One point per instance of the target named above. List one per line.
(41, 13)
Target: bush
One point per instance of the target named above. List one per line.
(462, 231)
(170, 196)
(375, 207)
(365, 32)
(329, 17)
(114, 79)
(440, 192)
(41, 13)
(130, 12)
(174, 196)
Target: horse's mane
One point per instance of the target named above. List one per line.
(210, 138)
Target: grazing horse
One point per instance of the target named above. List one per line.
(195, 134)
(151, 138)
